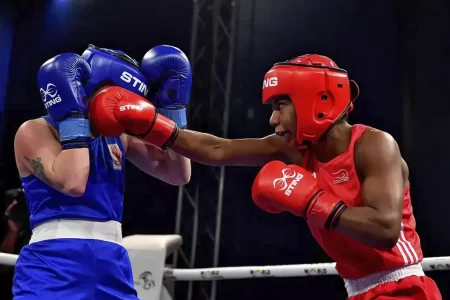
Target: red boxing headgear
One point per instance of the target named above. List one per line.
(321, 93)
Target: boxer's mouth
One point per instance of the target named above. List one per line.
(282, 133)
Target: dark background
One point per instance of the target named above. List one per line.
(396, 50)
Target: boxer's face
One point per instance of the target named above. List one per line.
(284, 119)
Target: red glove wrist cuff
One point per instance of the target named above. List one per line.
(162, 132)
(324, 210)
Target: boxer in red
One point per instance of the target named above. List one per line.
(349, 183)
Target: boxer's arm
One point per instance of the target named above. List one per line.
(212, 150)
(378, 223)
(39, 152)
(167, 166)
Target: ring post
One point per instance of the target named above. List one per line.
(148, 254)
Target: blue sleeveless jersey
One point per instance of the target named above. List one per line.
(103, 198)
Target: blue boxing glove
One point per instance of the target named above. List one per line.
(60, 83)
(169, 74)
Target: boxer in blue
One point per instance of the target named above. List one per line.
(74, 178)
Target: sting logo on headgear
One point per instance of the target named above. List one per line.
(50, 95)
(321, 93)
(270, 82)
(114, 67)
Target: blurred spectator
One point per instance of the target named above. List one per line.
(15, 232)
(17, 218)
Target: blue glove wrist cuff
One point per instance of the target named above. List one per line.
(74, 133)
(177, 115)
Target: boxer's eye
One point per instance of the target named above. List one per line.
(278, 105)
(282, 104)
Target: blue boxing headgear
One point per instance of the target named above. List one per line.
(113, 67)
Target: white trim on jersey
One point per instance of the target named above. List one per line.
(406, 249)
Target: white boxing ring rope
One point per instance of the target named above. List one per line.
(429, 264)
(7, 259)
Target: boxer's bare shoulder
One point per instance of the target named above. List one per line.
(34, 140)
(36, 127)
(38, 124)
(376, 145)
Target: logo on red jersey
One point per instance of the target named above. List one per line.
(116, 156)
(340, 176)
(284, 184)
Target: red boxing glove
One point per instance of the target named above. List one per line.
(115, 110)
(292, 188)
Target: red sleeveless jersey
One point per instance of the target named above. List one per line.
(354, 259)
